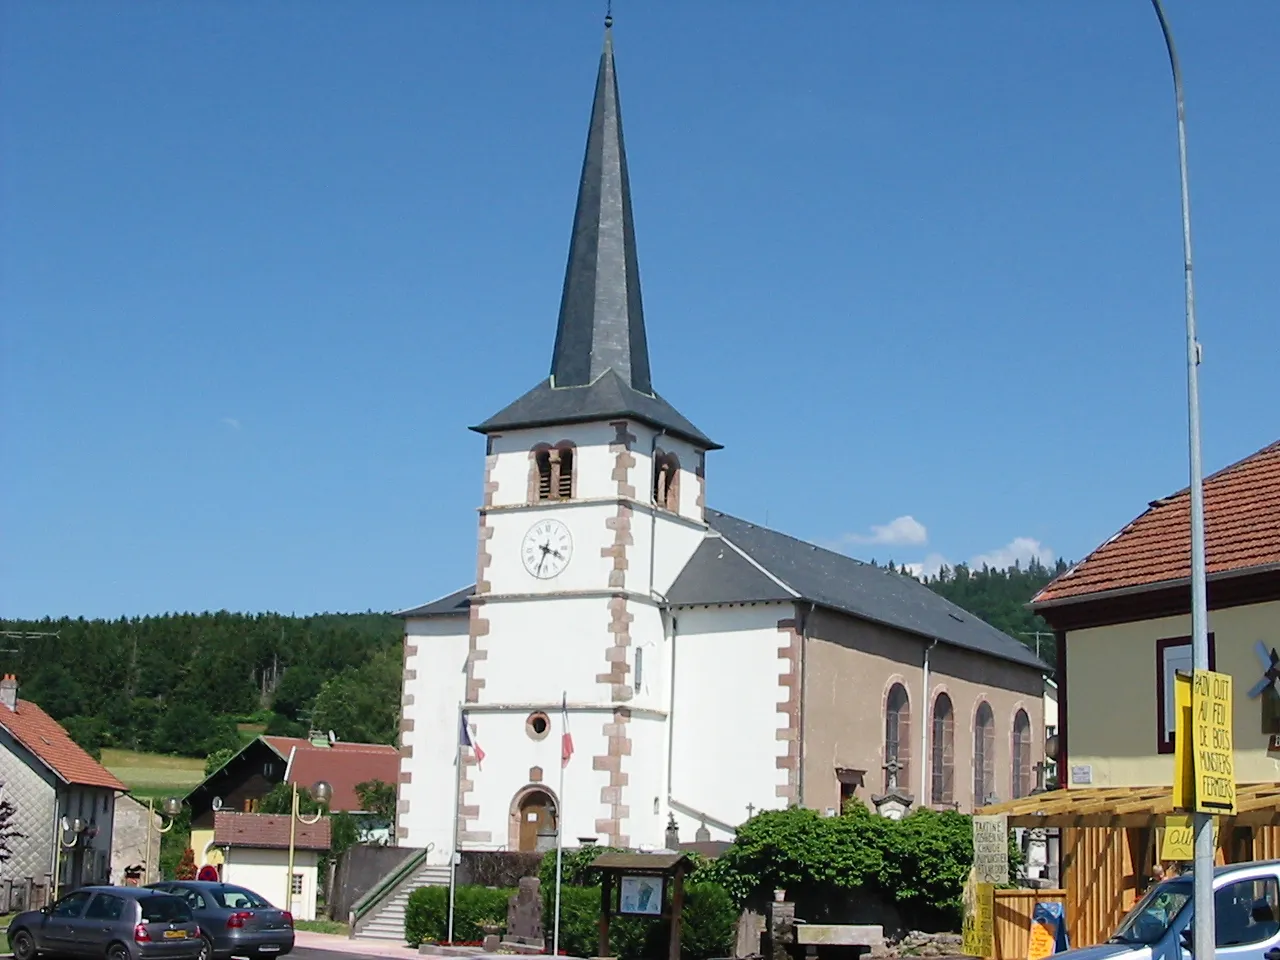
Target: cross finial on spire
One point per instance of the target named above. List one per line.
(608, 14)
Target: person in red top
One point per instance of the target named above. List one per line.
(208, 873)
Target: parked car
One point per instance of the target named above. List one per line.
(1246, 904)
(115, 923)
(235, 921)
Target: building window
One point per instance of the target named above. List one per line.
(897, 738)
(1173, 656)
(537, 726)
(297, 884)
(1021, 754)
(666, 480)
(984, 755)
(639, 668)
(552, 473)
(943, 753)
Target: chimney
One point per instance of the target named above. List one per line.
(9, 691)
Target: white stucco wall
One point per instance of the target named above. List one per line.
(266, 873)
(435, 683)
(725, 712)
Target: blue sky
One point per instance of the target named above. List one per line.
(262, 264)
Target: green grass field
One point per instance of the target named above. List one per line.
(152, 774)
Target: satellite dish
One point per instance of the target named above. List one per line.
(333, 738)
(217, 804)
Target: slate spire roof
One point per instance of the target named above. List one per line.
(600, 363)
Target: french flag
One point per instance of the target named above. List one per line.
(465, 739)
(566, 739)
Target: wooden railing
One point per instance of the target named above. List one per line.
(1014, 908)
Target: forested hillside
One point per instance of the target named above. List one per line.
(182, 683)
(1000, 597)
(191, 684)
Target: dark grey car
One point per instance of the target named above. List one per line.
(236, 921)
(115, 923)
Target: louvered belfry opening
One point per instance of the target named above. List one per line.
(564, 475)
(543, 459)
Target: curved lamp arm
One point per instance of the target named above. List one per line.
(170, 810)
(322, 793)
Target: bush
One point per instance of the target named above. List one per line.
(707, 929)
(918, 863)
(426, 916)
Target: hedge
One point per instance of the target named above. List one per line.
(426, 916)
(707, 929)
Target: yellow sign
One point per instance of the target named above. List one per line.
(1043, 942)
(1179, 842)
(979, 932)
(1183, 766)
(1215, 780)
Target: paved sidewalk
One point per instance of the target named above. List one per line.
(334, 943)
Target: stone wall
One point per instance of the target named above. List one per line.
(129, 841)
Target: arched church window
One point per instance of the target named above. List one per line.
(942, 759)
(984, 755)
(897, 738)
(666, 480)
(1021, 754)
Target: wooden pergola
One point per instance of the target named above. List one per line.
(1110, 843)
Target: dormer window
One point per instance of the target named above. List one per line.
(552, 473)
(666, 480)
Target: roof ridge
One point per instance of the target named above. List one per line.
(758, 565)
(1274, 446)
(803, 543)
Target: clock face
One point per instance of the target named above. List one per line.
(546, 549)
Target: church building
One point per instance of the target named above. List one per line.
(704, 667)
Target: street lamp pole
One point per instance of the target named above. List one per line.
(171, 807)
(321, 791)
(1203, 946)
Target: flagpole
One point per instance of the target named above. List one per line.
(457, 790)
(564, 762)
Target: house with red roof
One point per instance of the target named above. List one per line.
(239, 785)
(63, 799)
(1122, 618)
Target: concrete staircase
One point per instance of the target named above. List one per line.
(379, 915)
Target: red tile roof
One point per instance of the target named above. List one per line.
(343, 766)
(266, 831)
(53, 746)
(1242, 532)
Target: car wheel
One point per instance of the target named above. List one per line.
(24, 946)
(118, 951)
(206, 949)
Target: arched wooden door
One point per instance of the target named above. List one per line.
(537, 822)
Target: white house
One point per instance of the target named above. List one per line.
(63, 799)
(255, 851)
(705, 666)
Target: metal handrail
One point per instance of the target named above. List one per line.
(392, 880)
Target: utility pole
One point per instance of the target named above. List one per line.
(1202, 824)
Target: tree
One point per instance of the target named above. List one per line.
(90, 733)
(217, 760)
(279, 800)
(8, 830)
(362, 704)
(378, 798)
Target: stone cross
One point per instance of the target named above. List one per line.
(751, 810)
(891, 770)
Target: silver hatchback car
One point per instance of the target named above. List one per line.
(110, 923)
(237, 922)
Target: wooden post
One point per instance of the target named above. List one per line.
(677, 907)
(606, 906)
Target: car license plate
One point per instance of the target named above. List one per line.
(175, 934)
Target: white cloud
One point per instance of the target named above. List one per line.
(231, 422)
(927, 567)
(903, 531)
(1021, 550)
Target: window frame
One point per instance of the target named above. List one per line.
(984, 750)
(901, 741)
(1020, 754)
(1166, 668)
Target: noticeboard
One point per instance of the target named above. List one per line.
(640, 896)
(991, 849)
(1213, 755)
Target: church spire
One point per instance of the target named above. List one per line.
(601, 324)
(600, 364)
